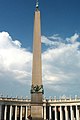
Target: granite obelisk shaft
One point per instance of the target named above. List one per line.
(37, 87)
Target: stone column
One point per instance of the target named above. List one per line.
(50, 116)
(0, 111)
(5, 111)
(10, 117)
(66, 113)
(55, 113)
(26, 114)
(21, 113)
(44, 112)
(15, 112)
(77, 113)
(71, 111)
(61, 116)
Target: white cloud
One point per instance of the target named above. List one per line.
(73, 38)
(17, 43)
(53, 41)
(46, 41)
(61, 64)
(14, 60)
(7, 42)
(56, 37)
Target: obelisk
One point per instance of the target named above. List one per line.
(37, 87)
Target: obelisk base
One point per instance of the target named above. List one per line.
(36, 112)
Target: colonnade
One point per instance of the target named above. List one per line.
(67, 112)
(13, 112)
(49, 112)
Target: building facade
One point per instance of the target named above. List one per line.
(38, 108)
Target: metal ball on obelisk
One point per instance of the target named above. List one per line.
(37, 3)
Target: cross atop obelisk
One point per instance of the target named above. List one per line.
(37, 87)
(37, 4)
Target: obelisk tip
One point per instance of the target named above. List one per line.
(37, 4)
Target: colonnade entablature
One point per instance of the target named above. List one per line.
(45, 100)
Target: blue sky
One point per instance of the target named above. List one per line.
(60, 26)
(61, 17)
